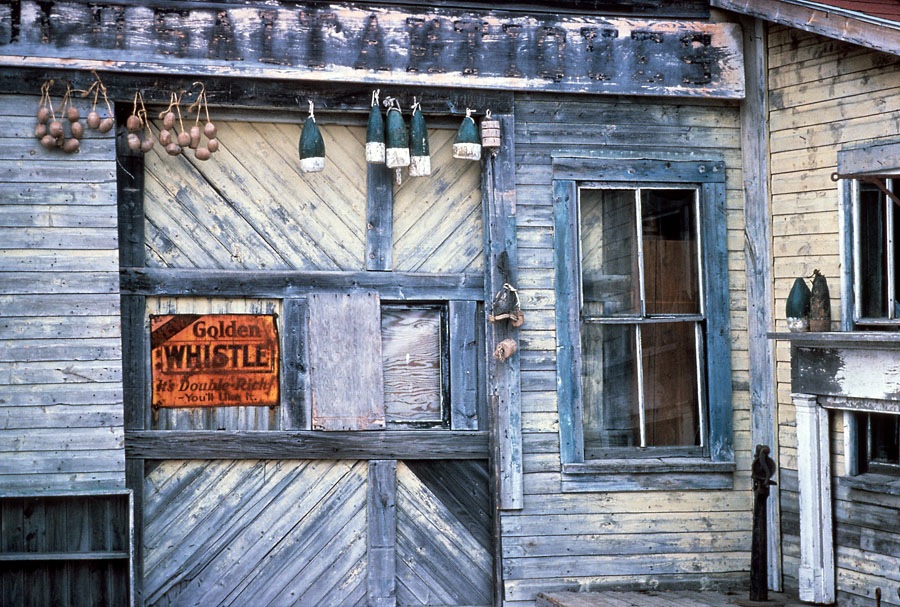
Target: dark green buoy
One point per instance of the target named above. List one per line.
(420, 159)
(312, 146)
(797, 307)
(467, 145)
(375, 133)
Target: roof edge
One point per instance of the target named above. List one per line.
(832, 22)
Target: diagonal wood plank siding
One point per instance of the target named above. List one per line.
(250, 207)
(443, 534)
(437, 219)
(255, 532)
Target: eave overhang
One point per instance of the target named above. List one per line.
(834, 22)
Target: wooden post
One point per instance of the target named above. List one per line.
(499, 207)
(758, 255)
(814, 472)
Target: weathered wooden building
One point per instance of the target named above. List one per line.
(225, 380)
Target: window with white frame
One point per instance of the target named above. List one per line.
(871, 198)
(642, 320)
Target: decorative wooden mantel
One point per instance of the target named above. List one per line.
(844, 371)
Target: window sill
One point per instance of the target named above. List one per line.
(870, 482)
(660, 474)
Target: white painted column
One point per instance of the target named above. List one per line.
(814, 470)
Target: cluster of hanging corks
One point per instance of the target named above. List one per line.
(391, 143)
(173, 135)
(53, 132)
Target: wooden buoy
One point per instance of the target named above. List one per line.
(819, 304)
(490, 134)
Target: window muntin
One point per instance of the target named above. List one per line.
(641, 319)
(876, 250)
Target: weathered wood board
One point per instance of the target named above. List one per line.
(60, 345)
(353, 43)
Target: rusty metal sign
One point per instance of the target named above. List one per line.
(214, 360)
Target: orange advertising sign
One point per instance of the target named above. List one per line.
(214, 360)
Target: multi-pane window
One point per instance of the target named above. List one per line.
(642, 318)
(876, 247)
(642, 322)
(876, 303)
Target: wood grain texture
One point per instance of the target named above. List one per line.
(443, 534)
(431, 46)
(287, 532)
(251, 207)
(60, 350)
(345, 361)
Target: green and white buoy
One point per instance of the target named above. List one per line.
(420, 159)
(312, 146)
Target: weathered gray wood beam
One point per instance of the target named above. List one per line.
(381, 509)
(421, 45)
(387, 444)
(398, 286)
(758, 256)
(504, 390)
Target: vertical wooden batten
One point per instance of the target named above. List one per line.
(381, 574)
(499, 207)
(758, 254)
(135, 377)
(379, 218)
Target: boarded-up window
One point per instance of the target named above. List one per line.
(412, 350)
(345, 361)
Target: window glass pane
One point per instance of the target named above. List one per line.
(609, 253)
(411, 351)
(883, 445)
(671, 404)
(872, 251)
(609, 387)
(671, 274)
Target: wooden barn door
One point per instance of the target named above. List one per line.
(365, 482)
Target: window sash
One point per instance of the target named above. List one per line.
(889, 297)
(642, 318)
(624, 169)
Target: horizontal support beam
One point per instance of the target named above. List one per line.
(388, 444)
(421, 45)
(400, 286)
(224, 92)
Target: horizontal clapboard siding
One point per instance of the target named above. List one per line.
(825, 95)
(595, 540)
(61, 423)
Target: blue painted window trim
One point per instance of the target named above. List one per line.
(642, 472)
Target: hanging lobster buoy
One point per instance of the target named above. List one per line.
(397, 140)
(819, 304)
(420, 159)
(467, 145)
(312, 146)
(797, 307)
(375, 133)
(490, 134)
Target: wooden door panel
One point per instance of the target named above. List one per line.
(270, 533)
(444, 554)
